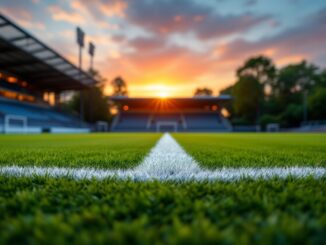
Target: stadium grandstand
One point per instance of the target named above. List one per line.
(197, 114)
(32, 76)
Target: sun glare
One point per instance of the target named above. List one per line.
(163, 94)
(160, 90)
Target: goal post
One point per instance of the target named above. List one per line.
(15, 124)
(166, 124)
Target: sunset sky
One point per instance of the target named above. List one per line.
(170, 47)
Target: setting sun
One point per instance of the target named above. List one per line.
(160, 90)
(163, 94)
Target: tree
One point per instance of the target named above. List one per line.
(97, 76)
(285, 103)
(261, 68)
(266, 119)
(119, 87)
(317, 104)
(292, 115)
(227, 90)
(321, 79)
(292, 80)
(94, 101)
(297, 77)
(247, 94)
(203, 92)
(228, 106)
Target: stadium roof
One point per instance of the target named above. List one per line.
(204, 100)
(29, 59)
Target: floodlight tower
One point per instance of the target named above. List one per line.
(91, 51)
(80, 42)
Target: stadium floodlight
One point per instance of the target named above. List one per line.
(91, 51)
(80, 37)
(80, 42)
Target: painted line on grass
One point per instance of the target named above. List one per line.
(168, 158)
(167, 161)
(223, 174)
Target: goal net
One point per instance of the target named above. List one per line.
(163, 126)
(15, 124)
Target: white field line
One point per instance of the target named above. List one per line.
(168, 161)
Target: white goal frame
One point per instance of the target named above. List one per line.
(8, 129)
(165, 123)
(102, 125)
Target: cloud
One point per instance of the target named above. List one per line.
(101, 10)
(147, 45)
(154, 59)
(23, 17)
(306, 41)
(114, 8)
(170, 16)
(183, 43)
(250, 3)
(59, 14)
(188, 16)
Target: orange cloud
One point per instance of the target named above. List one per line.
(117, 8)
(60, 14)
(176, 69)
(290, 59)
(159, 62)
(178, 18)
(35, 25)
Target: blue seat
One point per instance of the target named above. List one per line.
(38, 115)
(132, 121)
(203, 121)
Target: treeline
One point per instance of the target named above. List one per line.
(96, 105)
(289, 96)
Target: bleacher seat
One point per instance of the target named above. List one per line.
(204, 122)
(194, 122)
(38, 115)
(129, 121)
(167, 117)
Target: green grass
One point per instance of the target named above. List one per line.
(127, 150)
(56, 211)
(92, 150)
(255, 150)
(40, 210)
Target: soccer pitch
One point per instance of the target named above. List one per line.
(256, 209)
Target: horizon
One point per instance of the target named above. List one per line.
(167, 48)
